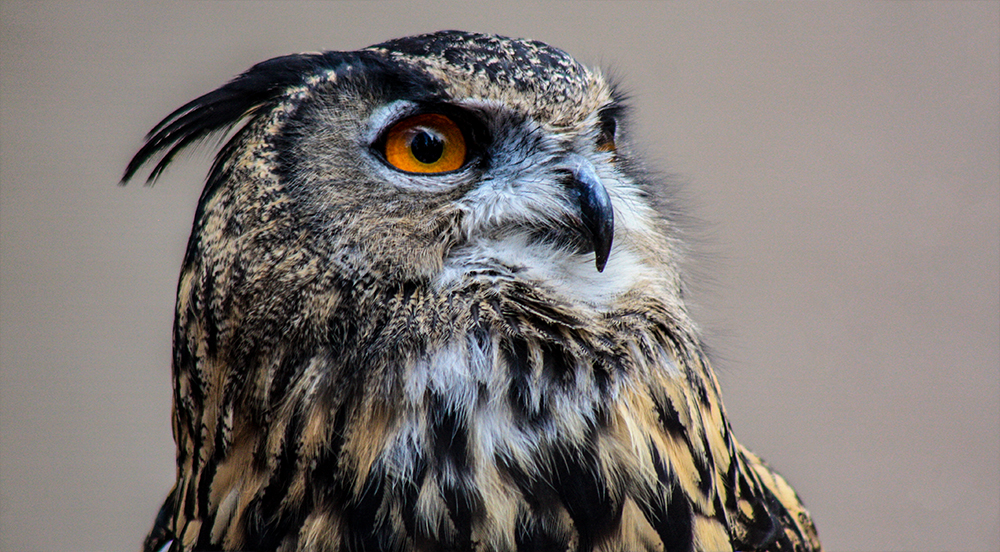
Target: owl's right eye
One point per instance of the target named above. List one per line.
(429, 143)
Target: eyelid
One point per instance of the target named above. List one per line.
(607, 127)
(606, 139)
(384, 117)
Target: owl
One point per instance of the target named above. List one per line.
(431, 302)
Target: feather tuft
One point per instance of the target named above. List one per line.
(219, 111)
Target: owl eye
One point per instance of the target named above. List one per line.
(606, 139)
(429, 143)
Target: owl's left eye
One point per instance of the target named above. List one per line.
(609, 129)
(428, 143)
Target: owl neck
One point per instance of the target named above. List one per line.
(422, 402)
(542, 408)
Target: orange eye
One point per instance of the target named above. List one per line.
(606, 140)
(428, 143)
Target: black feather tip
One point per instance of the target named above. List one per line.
(261, 87)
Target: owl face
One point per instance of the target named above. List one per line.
(442, 158)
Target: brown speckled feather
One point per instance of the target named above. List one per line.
(369, 359)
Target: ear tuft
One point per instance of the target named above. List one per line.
(258, 89)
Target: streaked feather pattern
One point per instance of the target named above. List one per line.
(333, 393)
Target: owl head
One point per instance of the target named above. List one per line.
(430, 159)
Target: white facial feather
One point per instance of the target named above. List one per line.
(500, 213)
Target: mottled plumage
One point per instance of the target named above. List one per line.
(369, 358)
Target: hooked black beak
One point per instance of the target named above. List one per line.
(596, 212)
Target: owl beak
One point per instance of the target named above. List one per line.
(596, 211)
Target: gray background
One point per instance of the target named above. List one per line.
(843, 155)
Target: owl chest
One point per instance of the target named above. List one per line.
(488, 397)
(476, 427)
(498, 439)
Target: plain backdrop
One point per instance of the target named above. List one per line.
(843, 157)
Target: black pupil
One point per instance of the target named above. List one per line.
(427, 147)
